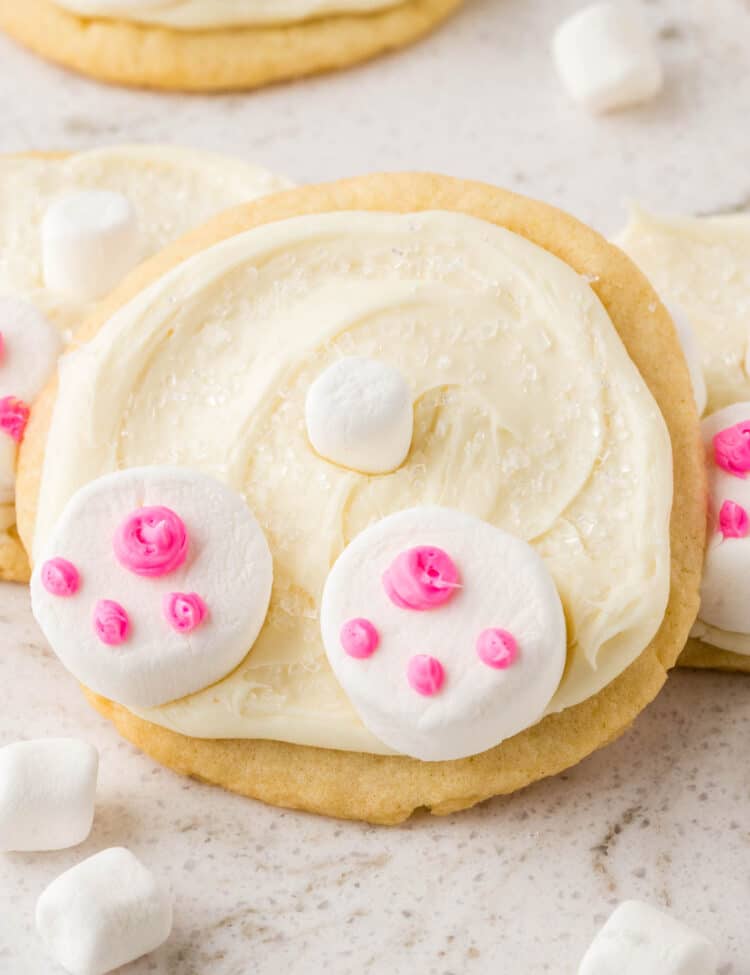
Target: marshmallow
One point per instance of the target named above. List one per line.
(47, 794)
(724, 599)
(154, 584)
(90, 241)
(359, 415)
(103, 913)
(446, 633)
(689, 344)
(29, 347)
(639, 940)
(606, 57)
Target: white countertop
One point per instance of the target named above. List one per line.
(517, 886)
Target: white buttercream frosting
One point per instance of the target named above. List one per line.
(197, 14)
(528, 413)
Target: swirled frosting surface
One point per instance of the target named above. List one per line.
(528, 414)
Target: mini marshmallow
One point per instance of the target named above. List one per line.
(639, 940)
(359, 415)
(606, 57)
(446, 633)
(103, 913)
(47, 794)
(724, 601)
(689, 345)
(89, 243)
(154, 584)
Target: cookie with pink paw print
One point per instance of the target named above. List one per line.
(446, 633)
(29, 347)
(154, 584)
(724, 617)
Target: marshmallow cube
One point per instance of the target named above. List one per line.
(359, 415)
(89, 243)
(639, 940)
(606, 57)
(103, 913)
(47, 794)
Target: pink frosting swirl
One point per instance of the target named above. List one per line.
(497, 648)
(111, 622)
(425, 674)
(184, 611)
(14, 415)
(421, 578)
(733, 520)
(60, 577)
(151, 542)
(732, 449)
(359, 638)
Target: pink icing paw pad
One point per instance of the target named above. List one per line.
(152, 542)
(60, 577)
(14, 415)
(184, 611)
(111, 622)
(733, 520)
(451, 683)
(732, 449)
(183, 595)
(421, 578)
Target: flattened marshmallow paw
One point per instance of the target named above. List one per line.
(724, 602)
(639, 940)
(446, 633)
(103, 913)
(689, 344)
(47, 794)
(90, 241)
(154, 584)
(359, 415)
(29, 348)
(606, 57)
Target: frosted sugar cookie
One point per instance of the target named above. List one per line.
(71, 227)
(214, 45)
(703, 264)
(498, 593)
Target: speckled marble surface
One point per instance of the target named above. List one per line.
(518, 886)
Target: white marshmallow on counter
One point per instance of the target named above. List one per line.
(606, 57)
(639, 940)
(47, 794)
(89, 243)
(103, 913)
(689, 345)
(360, 415)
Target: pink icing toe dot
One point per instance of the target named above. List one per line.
(111, 623)
(733, 520)
(497, 648)
(60, 577)
(184, 611)
(14, 415)
(425, 674)
(732, 449)
(359, 638)
(151, 542)
(421, 578)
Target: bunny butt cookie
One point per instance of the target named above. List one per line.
(71, 228)
(216, 45)
(462, 585)
(703, 264)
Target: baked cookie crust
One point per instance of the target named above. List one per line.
(387, 789)
(223, 59)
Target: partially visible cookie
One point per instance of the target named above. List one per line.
(701, 267)
(113, 43)
(71, 227)
(525, 576)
